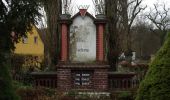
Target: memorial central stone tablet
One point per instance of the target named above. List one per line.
(82, 40)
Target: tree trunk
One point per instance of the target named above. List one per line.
(52, 47)
(112, 33)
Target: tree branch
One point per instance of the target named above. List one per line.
(135, 12)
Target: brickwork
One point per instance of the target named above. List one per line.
(99, 44)
(64, 79)
(98, 79)
(64, 42)
(101, 79)
(89, 86)
(82, 76)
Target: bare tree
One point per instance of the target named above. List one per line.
(159, 16)
(124, 15)
(67, 7)
(99, 6)
(51, 33)
(144, 42)
(121, 15)
(129, 9)
(112, 34)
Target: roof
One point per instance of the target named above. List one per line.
(42, 33)
(86, 14)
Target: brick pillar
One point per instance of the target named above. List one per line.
(65, 20)
(100, 47)
(64, 42)
(100, 23)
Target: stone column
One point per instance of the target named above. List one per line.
(65, 20)
(100, 23)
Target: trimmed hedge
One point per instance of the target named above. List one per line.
(156, 85)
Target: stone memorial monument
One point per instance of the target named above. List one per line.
(82, 64)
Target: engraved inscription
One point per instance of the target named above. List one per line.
(82, 78)
(82, 46)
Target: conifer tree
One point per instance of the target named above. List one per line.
(16, 16)
(156, 85)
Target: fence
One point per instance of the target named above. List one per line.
(38, 79)
(49, 79)
(45, 79)
(123, 81)
(23, 78)
(118, 83)
(123, 84)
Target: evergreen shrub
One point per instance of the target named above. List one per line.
(156, 85)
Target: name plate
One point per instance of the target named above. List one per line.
(82, 78)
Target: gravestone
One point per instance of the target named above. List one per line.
(82, 64)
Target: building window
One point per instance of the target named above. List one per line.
(24, 40)
(35, 39)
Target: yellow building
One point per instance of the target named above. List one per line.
(31, 47)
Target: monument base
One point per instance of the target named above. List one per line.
(82, 77)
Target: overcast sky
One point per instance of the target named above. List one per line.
(149, 3)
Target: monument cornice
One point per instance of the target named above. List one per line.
(83, 66)
(65, 18)
(87, 14)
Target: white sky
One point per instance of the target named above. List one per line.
(149, 4)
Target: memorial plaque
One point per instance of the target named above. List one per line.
(82, 40)
(82, 78)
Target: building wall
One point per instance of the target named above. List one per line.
(30, 47)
